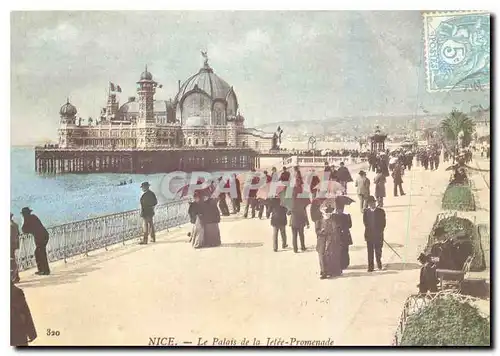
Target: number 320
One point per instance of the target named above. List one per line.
(51, 332)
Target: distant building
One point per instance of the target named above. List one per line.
(204, 113)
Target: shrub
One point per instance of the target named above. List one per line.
(458, 197)
(452, 225)
(447, 322)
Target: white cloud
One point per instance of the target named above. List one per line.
(62, 33)
(254, 41)
(299, 32)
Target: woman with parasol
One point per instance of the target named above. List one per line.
(332, 228)
(205, 216)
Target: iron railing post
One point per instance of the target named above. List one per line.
(104, 234)
(85, 240)
(123, 233)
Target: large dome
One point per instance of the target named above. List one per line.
(208, 96)
(207, 81)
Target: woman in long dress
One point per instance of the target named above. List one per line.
(328, 246)
(345, 224)
(193, 216)
(206, 230)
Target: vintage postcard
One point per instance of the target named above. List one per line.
(250, 178)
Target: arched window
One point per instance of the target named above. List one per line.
(243, 143)
(218, 117)
(196, 142)
(202, 141)
(189, 142)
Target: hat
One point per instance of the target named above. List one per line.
(144, 184)
(362, 172)
(26, 210)
(370, 199)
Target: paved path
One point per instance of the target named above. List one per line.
(241, 289)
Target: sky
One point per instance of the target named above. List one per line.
(284, 66)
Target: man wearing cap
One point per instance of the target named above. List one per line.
(32, 225)
(363, 185)
(14, 245)
(374, 221)
(148, 203)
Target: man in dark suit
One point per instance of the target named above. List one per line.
(236, 200)
(148, 203)
(374, 221)
(32, 225)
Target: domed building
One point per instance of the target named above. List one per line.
(206, 106)
(203, 113)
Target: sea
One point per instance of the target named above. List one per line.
(64, 198)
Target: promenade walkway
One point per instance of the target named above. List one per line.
(241, 289)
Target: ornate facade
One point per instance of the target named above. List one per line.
(204, 113)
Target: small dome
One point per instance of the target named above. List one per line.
(68, 109)
(194, 121)
(146, 75)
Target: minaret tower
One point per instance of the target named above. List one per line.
(112, 106)
(67, 124)
(146, 90)
(146, 124)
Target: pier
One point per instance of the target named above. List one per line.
(54, 160)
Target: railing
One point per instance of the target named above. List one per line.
(81, 237)
(320, 160)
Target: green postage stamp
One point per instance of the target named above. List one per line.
(457, 50)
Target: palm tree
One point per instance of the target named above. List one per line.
(456, 123)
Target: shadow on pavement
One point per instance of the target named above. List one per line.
(398, 206)
(243, 244)
(160, 242)
(375, 273)
(60, 277)
(363, 247)
(398, 266)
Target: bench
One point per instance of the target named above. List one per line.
(453, 278)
